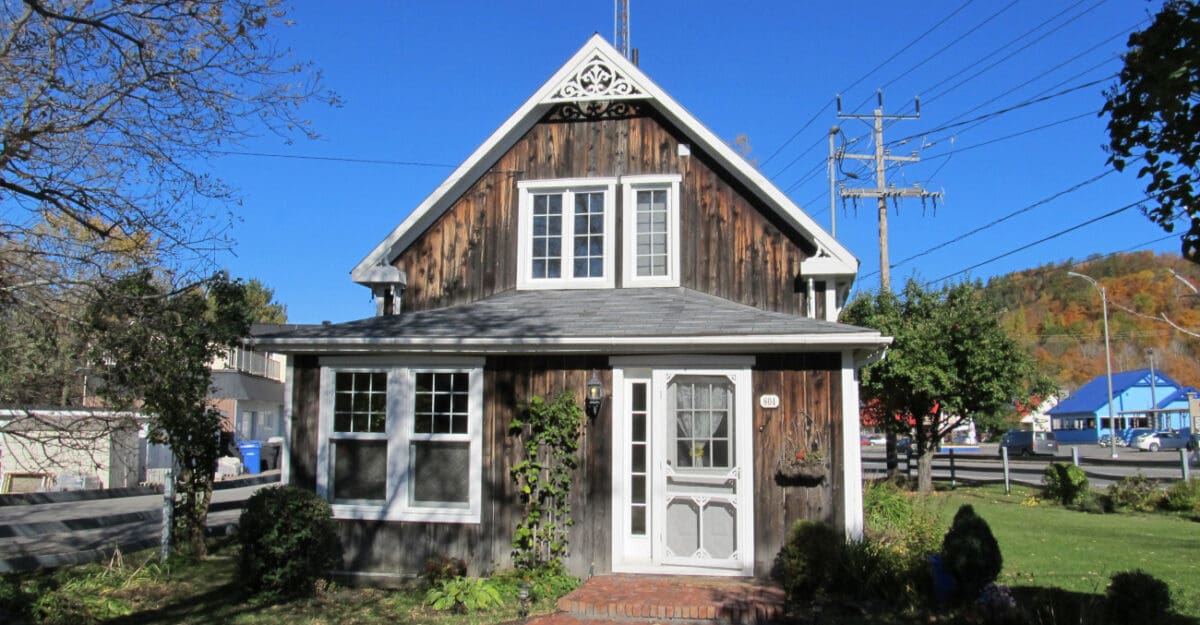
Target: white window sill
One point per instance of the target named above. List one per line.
(352, 512)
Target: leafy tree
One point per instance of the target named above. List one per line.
(949, 360)
(263, 307)
(156, 345)
(109, 112)
(1154, 113)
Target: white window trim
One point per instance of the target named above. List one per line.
(398, 435)
(527, 188)
(630, 186)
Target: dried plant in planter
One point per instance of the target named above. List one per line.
(804, 459)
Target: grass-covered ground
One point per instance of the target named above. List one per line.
(1044, 547)
(1047, 545)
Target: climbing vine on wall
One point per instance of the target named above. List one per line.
(543, 476)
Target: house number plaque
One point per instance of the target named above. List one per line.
(768, 401)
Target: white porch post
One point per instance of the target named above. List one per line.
(852, 513)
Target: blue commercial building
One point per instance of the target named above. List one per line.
(1140, 400)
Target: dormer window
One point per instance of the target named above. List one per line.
(566, 234)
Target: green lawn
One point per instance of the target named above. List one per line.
(1047, 545)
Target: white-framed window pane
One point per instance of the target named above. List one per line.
(440, 472)
(589, 235)
(652, 231)
(360, 401)
(702, 411)
(441, 403)
(359, 470)
(546, 245)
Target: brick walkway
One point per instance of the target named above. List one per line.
(668, 599)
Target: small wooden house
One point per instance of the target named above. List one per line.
(600, 233)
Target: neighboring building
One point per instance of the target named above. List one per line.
(600, 234)
(1140, 400)
(248, 389)
(69, 449)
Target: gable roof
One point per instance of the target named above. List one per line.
(638, 320)
(1092, 396)
(1179, 395)
(599, 72)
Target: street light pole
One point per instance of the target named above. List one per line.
(1112, 421)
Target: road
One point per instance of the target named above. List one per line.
(1102, 470)
(52, 534)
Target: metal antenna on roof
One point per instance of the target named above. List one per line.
(621, 26)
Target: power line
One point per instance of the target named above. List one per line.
(997, 113)
(1014, 52)
(1150, 242)
(338, 159)
(793, 138)
(1040, 241)
(1000, 220)
(859, 80)
(1054, 69)
(1016, 134)
(944, 48)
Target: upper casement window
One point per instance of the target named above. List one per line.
(651, 237)
(402, 442)
(566, 233)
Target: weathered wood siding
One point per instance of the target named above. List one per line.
(731, 246)
(306, 405)
(402, 548)
(807, 384)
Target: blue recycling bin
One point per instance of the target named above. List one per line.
(251, 456)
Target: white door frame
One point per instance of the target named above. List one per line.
(638, 554)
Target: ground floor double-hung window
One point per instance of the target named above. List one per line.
(402, 441)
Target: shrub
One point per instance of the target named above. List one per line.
(1136, 596)
(441, 568)
(970, 553)
(1183, 496)
(463, 594)
(288, 541)
(1065, 483)
(809, 561)
(1135, 492)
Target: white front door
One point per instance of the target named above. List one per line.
(682, 458)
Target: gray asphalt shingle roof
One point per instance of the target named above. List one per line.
(621, 313)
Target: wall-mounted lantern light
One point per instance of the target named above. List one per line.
(595, 395)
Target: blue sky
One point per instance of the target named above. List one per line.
(424, 83)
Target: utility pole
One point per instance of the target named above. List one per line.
(833, 155)
(881, 192)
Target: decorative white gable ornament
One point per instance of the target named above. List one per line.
(596, 79)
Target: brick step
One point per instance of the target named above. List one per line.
(681, 600)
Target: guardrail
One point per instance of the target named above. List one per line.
(977, 468)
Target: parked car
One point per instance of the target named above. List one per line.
(1166, 439)
(1028, 443)
(1129, 437)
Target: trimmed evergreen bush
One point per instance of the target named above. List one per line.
(1065, 483)
(810, 560)
(1136, 597)
(289, 541)
(970, 553)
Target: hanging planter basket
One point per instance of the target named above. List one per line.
(800, 472)
(802, 462)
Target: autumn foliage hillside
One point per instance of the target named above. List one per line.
(1057, 317)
